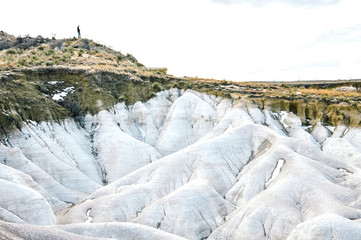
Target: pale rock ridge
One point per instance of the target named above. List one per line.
(326, 226)
(25, 203)
(96, 231)
(46, 152)
(13, 156)
(117, 148)
(13, 231)
(122, 230)
(189, 118)
(189, 164)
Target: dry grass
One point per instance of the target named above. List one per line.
(328, 92)
(86, 54)
(45, 55)
(73, 53)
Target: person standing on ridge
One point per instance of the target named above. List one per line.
(78, 28)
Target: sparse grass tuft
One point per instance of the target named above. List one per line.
(80, 53)
(10, 52)
(156, 87)
(22, 62)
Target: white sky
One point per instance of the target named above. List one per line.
(239, 40)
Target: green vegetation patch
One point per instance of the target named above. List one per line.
(21, 100)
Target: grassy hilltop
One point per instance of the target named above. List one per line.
(33, 71)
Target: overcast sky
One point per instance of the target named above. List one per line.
(240, 40)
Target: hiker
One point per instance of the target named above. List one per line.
(78, 32)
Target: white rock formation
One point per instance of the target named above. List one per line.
(118, 231)
(183, 165)
(326, 226)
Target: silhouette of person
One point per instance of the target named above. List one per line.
(78, 28)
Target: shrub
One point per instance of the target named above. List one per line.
(9, 59)
(75, 110)
(189, 85)
(119, 58)
(70, 50)
(66, 57)
(33, 60)
(152, 95)
(49, 64)
(49, 52)
(156, 87)
(357, 85)
(80, 53)
(22, 62)
(40, 87)
(10, 52)
(176, 85)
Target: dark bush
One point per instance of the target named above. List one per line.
(49, 64)
(176, 85)
(156, 87)
(10, 52)
(120, 57)
(75, 110)
(357, 85)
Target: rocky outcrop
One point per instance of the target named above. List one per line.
(31, 94)
(312, 111)
(183, 164)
